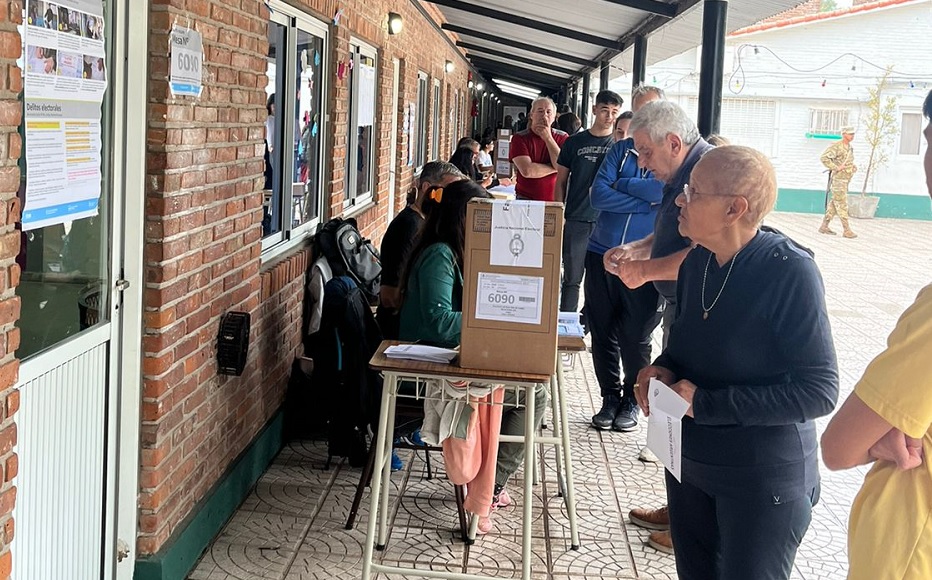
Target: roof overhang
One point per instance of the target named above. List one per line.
(547, 44)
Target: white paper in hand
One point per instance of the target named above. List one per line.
(665, 425)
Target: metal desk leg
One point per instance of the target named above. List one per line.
(387, 471)
(530, 429)
(386, 423)
(567, 463)
(555, 395)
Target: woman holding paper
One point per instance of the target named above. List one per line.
(432, 313)
(751, 353)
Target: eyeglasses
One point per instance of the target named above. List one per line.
(690, 194)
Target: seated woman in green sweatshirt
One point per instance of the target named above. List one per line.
(433, 304)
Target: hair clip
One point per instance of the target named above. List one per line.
(436, 194)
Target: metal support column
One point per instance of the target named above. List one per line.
(714, 15)
(639, 67)
(584, 109)
(604, 70)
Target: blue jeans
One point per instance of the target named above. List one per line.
(575, 240)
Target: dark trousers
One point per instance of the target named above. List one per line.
(725, 538)
(575, 240)
(621, 321)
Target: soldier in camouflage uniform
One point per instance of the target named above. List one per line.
(839, 159)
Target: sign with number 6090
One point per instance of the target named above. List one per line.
(187, 55)
(501, 298)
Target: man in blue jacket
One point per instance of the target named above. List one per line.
(621, 319)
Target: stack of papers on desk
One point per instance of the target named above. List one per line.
(431, 354)
(568, 324)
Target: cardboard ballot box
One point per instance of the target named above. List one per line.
(502, 150)
(511, 285)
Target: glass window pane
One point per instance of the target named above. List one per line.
(422, 101)
(910, 133)
(435, 134)
(365, 118)
(65, 283)
(305, 182)
(274, 90)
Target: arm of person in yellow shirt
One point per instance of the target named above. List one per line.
(857, 435)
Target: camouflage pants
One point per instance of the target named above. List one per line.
(838, 203)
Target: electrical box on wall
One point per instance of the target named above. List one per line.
(233, 343)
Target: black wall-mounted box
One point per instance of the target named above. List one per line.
(233, 343)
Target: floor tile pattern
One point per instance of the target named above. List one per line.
(291, 525)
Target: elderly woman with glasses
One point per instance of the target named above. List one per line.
(751, 351)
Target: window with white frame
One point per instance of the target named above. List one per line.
(910, 134)
(294, 144)
(748, 122)
(360, 141)
(827, 121)
(423, 98)
(435, 120)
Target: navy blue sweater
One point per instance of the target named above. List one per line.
(764, 367)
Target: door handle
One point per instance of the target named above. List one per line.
(122, 285)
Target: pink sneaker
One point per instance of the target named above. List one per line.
(502, 500)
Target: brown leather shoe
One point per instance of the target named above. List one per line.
(661, 541)
(658, 519)
(849, 234)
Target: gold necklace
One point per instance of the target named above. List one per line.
(705, 311)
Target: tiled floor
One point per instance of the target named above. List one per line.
(291, 526)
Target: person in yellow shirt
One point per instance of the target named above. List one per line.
(888, 420)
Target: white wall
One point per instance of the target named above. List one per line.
(899, 36)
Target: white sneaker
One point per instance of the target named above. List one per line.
(647, 456)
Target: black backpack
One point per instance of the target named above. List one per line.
(350, 254)
(345, 388)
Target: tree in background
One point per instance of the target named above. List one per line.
(827, 6)
(881, 127)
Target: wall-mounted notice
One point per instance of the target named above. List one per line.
(65, 81)
(187, 54)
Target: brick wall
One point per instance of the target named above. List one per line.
(203, 233)
(10, 151)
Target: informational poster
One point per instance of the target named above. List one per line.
(503, 149)
(187, 55)
(366, 95)
(665, 426)
(507, 298)
(517, 234)
(65, 82)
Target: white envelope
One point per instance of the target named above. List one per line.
(665, 425)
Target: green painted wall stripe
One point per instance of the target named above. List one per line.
(179, 555)
(892, 205)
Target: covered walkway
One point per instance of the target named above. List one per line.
(291, 525)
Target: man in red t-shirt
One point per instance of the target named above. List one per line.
(534, 152)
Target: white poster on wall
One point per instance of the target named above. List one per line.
(65, 79)
(186, 60)
(366, 95)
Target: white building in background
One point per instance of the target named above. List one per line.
(791, 85)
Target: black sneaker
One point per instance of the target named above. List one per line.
(603, 419)
(627, 417)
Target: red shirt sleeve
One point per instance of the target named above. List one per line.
(518, 147)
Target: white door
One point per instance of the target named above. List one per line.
(79, 381)
(393, 147)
